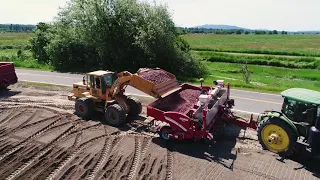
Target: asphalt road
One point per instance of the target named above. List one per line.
(244, 100)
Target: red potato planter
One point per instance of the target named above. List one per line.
(190, 114)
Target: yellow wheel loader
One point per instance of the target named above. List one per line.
(104, 91)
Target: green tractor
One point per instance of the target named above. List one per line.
(297, 125)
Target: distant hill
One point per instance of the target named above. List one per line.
(230, 27)
(213, 26)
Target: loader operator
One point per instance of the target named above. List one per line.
(97, 82)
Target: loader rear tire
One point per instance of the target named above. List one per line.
(115, 115)
(134, 105)
(84, 107)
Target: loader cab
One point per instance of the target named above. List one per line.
(99, 81)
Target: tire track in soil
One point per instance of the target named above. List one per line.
(32, 117)
(11, 116)
(169, 173)
(149, 170)
(153, 165)
(30, 138)
(13, 161)
(62, 156)
(81, 147)
(10, 112)
(114, 163)
(144, 166)
(5, 145)
(17, 129)
(141, 147)
(63, 105)
(45, 162)
(40, 153)
(143, 136)
(110, 143)
(76, 143)
(43, 172)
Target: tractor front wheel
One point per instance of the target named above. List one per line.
(84, 107)
(115, 115)
(277, 136)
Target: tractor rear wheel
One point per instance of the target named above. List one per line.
(115, 115)
(84, 107)
(134, 105)
(277, 136)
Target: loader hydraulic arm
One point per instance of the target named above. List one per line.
(127, 78)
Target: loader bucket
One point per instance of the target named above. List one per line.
(159, 82)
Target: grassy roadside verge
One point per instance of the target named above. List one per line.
(29, 64)
(25, 60)
(263, 78)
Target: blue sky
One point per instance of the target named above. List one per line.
(290, 15)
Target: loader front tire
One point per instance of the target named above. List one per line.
(134, 105)
(84, 107)
(115, 115)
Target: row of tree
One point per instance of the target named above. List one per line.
(114, 34)
(183, 30)
(16, 28)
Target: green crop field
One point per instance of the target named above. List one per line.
(11, 43)
(298, 45)
(275, 62)
(14, 39)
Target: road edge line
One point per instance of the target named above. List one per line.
(39, 82)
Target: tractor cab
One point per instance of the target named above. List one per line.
(301, 105)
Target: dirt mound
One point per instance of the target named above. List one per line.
(179, 102)
(156, 76)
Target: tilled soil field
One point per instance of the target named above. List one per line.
(41, 138)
